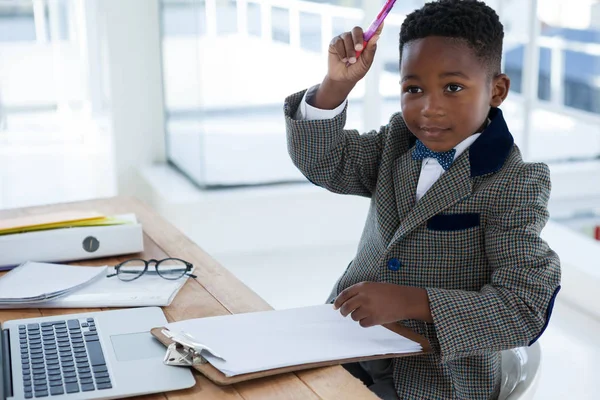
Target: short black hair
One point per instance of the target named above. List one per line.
(471, 21)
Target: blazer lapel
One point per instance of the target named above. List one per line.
(405, 177)
(454, 185)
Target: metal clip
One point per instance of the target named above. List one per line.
(185, 350)
(177, 354)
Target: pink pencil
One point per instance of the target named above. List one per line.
(387, 7)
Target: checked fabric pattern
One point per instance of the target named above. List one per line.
(491, 283)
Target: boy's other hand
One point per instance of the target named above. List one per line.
(376, 303)
(343, 66)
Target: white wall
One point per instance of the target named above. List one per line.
(257, 219)
(132, 40)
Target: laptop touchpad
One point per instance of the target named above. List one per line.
(137, 346)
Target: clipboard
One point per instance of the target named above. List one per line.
(181, 354)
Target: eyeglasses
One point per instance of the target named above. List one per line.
(168, 268)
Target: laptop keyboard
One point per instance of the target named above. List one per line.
(62, 357)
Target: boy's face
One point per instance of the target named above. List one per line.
(446, 91)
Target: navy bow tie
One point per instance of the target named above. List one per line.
(444, 158)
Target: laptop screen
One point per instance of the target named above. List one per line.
(3, 348)
(5, 367)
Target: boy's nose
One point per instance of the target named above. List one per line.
(432, 107)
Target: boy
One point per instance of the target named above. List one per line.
(451, 246)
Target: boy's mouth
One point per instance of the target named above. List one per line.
(434, 130)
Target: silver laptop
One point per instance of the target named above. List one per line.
(95, 355)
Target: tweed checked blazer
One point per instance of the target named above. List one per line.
(472, 241)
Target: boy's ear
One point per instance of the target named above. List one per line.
(500, 88)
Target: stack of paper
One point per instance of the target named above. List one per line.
(147, 290)
(67, 219)
(42, 285)
(32, 283)
(273, 339)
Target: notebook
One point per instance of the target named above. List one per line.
(32, 282)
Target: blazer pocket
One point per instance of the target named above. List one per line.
(453, 222)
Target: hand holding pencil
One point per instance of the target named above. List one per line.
(351, 55)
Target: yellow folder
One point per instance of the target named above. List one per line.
(66, 219)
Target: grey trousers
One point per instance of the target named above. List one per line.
(377, 376)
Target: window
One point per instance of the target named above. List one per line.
(565, 119)
(51, 93)
(46, 65)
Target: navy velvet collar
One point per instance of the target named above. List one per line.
(489, 152)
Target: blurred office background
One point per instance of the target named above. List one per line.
(179, 103)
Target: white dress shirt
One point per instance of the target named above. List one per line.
(431, 170)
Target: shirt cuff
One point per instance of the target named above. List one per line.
(307, 112)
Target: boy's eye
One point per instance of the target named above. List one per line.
(453, 88)
(413, 89)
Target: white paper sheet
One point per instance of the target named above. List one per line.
(265, 340)
(37, 281)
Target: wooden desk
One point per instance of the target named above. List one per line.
(215, 292)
